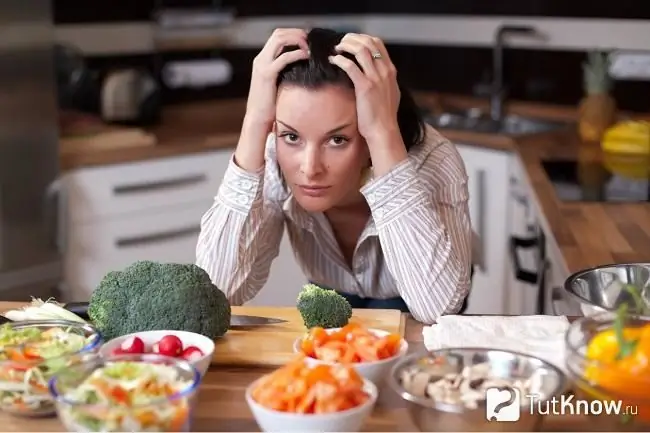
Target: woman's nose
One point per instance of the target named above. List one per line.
(311, 163)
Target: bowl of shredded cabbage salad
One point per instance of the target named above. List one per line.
(32, 352)
(143, 393)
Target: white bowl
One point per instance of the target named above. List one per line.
(151, 337)
(350, 420)
(375, 371)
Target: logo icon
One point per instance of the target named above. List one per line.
(502, 404)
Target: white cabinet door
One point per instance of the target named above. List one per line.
(106, 192)
(102, 246)
(487, 170)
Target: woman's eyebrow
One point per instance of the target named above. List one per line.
(332, 131)
(338, 128)
(286, 125)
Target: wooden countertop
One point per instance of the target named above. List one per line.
(183, 129)
(587, 233)
(221, 405)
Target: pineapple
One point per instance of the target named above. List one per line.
(597, 110)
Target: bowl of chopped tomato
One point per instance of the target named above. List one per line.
(304, 397)
(372, 352)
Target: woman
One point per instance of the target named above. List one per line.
(374, 202)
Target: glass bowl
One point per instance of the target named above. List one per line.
(31, 352)
(143, 392)
(619, 385)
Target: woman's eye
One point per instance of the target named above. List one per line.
(339, 141)
(289, 137)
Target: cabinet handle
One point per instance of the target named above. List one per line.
(162, 184)
(556, 297)
(482, 232)
(55, 219)
(157, 237)
(520, 273)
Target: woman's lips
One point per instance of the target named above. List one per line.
(313, 191)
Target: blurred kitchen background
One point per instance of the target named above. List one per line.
(115, 140)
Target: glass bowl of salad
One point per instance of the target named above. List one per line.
(31, 352)
(608, 361)
(140, 392)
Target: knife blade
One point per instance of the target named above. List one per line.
(236, 321)
(243, 321)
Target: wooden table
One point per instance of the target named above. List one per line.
(222, 406)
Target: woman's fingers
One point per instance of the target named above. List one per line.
(281, 38)
(359, 43)
(289, 57)
(362, 53)
(357, 76)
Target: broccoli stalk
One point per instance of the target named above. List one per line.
(323, 307)
(159, 296)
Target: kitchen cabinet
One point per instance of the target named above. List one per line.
(115, 215)
(524, 260)
(535, 268)
(487, 170)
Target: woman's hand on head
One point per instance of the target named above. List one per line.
(260, 108)
(377, 94)
(375, 84)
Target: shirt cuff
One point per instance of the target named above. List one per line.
(241, 189)
(392, 193)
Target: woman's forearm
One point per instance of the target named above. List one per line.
(240, 236)
(426, 245)
(249, 154)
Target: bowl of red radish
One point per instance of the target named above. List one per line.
(194, 348)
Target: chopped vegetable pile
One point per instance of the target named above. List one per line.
(169, 345)
(350, 344)
(29, 356)
(299, 388)
(128, 396)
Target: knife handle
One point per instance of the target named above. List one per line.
(78, 308)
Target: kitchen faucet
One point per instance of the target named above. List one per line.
(497, 92)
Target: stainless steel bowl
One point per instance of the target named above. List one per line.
(602, 289)
(436, 415)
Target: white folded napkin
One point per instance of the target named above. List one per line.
(540, 336)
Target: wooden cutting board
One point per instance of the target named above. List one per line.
(273, 345)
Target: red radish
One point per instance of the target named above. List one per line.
(192, 353)
(169, 345)
(132, 345)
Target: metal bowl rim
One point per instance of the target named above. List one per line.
(456, 408)
(571, 278)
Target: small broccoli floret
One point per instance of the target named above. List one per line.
(323, 307)
(154, 296)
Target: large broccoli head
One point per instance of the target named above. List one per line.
(154, 296)
(323, 307)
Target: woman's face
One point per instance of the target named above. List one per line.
(319, 148)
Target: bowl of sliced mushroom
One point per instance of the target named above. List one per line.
(476, 389)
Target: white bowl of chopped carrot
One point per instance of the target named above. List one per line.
(372, 352)
(302, 397)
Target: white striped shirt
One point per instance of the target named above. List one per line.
(416, 244)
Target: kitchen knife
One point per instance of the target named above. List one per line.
(236, 321)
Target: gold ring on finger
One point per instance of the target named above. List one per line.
(376, 55)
